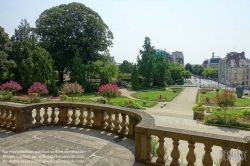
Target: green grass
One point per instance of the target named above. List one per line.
(123, 98)
(84, 95)
(239, 101)
(152, 95)
(234, 112)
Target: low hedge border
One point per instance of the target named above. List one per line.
(235, 127)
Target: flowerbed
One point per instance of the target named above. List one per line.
(231, 121)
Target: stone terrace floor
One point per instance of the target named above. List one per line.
(68, 145)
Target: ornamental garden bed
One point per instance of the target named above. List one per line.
(157, 95)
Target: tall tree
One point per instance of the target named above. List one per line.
(177, 71)
(33, 62)
(160, 71)
(135, 78)
(145, 61)
(126, 67)
(5, 48)
(70, 30)
(77, 73)
(189, 67)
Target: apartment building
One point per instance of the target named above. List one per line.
(234, 69)
(213, 62)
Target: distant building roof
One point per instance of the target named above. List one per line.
(205, 62)
(214, 60)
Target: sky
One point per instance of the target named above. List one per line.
(196, 27)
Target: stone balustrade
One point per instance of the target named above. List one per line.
(131, 123)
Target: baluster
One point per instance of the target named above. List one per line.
(225, 157)
(149, 148)
(175, 154)
(124, 124)
(12, 119)
(244, 158)
(67, 115)
(110, 121)
(116, 122)
(88, 118)
(53, 115)
(38, 117)
(45, 116)
(161, 150)
(207, 158)
(6, 118)
(131, 126)
(73, 116)
(104, 121)
(191, 157)
(81, 117)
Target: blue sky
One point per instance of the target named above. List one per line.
(195, 27)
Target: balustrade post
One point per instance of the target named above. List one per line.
(6, 117)
(161, 151)
(89, 117)
(73, 116)
(98, 118)
(225, 157)
(110, 121)
(137, 147)
(124, 124)
(117, 122)
(53, 115)
(207, 158)
(131, 126)
(23, 119)
(191, 158)
(63, 115)
(45, 116)
(149, 148)
(246, 154)
(175, 154)
(12, 119)
(38, 117)
(81, 117)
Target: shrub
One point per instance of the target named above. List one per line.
(146, 98)
(144, 103)
(72, 90)
(198, 106)
(11, 86)
(109, 91)
(224, 100)
(38, 88)
(217, 90)
(56, 92)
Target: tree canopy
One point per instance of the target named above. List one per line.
(189, 67)
(126, 67)
(70, 30)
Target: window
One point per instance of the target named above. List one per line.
(247, 71)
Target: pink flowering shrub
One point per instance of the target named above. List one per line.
(109, 91)
(11, 86)
(72, 89)
(38, 88)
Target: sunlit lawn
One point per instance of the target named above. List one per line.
(122, 99)
(154, 94)
(239, 101)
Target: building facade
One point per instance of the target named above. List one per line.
(234, 69)
(213, 62)
(178, 57)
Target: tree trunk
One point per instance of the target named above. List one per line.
(225, 115)
(60, 76)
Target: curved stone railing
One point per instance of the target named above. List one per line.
(126, 122)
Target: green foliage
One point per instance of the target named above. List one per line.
(145, 62)
(135, 78)
(160, 71)
(210, 72)
(197, 70)
(155, 146)
(187, 74)
(33, 62)
(177, 71)
(77, 73)
(189, 67)
(217, 90)
(56, 92)
(70, 30)
(198, 107)
(232, 112)
(126, 67)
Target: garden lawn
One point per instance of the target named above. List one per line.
(234, 112)
(121, 100)
(240, 102)
(152, 95)
(83, 95)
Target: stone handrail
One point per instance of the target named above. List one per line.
(122, 121)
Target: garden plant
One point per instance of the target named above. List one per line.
(109, 91)
(71, 90)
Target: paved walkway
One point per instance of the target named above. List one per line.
(65, 146)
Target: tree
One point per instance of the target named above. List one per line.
(135, 78)
(210, 72)
(187, 74)
(145, 62)
(33, 62)
(126, 67)
(189, 67)
(77, 73)
(70, 30)
(224, 100)
(160, 71)
(5, 64)
(177, 71)
(108, 72)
